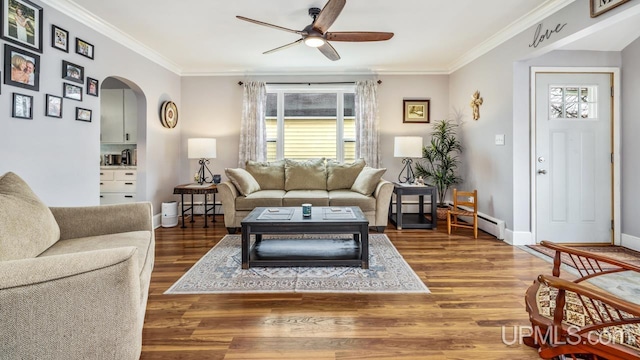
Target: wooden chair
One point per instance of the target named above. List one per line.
(470, 200)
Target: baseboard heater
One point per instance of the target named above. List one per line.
(486, 223)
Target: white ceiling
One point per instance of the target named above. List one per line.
(204, 37)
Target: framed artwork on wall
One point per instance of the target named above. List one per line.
(84, 48)
(71, 91)
(22, 23)
(72, 72)
(416, 111)
(21, 68)
(22, 106)
(92, 86)
(59, 38)
(54, 106)
(83, 114)
(599, 7)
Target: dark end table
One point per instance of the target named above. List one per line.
(412, 220)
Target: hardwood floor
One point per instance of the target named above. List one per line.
(477, 287)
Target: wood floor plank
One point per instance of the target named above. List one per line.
(477, 296)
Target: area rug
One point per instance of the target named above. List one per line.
(219, 272)
(614, 252)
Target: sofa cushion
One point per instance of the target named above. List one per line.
(367, 180)
(352, 198)
(265, 198)
(305, 175)
(343, 175)
(270, 175)
(299, 197)
(27, 226)
(244, 182)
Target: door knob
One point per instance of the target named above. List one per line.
(542, 171)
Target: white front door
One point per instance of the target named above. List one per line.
(573, 157)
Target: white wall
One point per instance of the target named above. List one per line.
(59, 158)
(213, 108)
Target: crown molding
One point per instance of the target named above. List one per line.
(523, 23)
(80, 14)
(313, 73)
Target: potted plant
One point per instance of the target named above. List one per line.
(440, 160)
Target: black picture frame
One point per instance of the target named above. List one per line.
(92, 86)
(53, 106)
(59, 38)
(84, 48)
(22, 23)
(83, 114)
(416, 111)
(16, 65)
(22, 106)
(72, 72)
(73, 92)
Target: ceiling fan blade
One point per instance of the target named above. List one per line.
(270, 25)
(283, 47)
(358, 36)
(328, 15)
(329, 52)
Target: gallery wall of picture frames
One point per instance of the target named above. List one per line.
(22, 29)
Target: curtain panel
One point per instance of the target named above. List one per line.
(366, 104)
(253, 130)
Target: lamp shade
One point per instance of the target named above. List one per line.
(407, 146)
(201, 148)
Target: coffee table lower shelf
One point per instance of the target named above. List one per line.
(306, 252)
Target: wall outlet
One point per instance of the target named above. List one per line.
(500, 139)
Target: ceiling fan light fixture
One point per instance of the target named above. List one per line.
(314, 41)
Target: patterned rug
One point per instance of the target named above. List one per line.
(219, 272)
(614, 252)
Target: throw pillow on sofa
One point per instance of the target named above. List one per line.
(367, 180)
(244, 182)
(343, 175)
(270, 175)
(305, 175)
(27, 226)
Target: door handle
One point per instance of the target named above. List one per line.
(542, 171)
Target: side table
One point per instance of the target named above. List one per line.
(197, 189)
(412, 220)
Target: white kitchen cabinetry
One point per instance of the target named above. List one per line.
(118, 116)
(117, 186)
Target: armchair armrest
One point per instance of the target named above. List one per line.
(70, 306)
(75, 222)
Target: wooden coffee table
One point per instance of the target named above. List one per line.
(319, 251)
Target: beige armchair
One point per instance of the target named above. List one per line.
(74, 281)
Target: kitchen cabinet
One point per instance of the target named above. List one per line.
(118, 116)
(117, 186)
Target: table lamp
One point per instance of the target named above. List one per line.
(407, 147)
(202, 149)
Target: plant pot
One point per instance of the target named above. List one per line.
(441, 212)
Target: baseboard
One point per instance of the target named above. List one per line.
(519, 237)
(157, 220)
(486, 223)
(630, 242)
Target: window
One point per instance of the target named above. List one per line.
(573, 102)
(310, 123)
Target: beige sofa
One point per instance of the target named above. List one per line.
(318, 182)
(74, 281)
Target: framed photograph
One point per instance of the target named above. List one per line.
(22, 106)
(21, 68)
(22, 23)
(71, 91)
(84, 48)
(83, 114)
(92, 86)
(59, 38)
(54, 106)
(72, 72)
(416, 111)
(599, 7)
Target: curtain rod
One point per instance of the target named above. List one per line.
(309, 83)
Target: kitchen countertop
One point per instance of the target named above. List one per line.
(116, 167)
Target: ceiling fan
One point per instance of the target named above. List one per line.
(316, 35)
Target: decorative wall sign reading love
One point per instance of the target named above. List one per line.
(539, 36)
